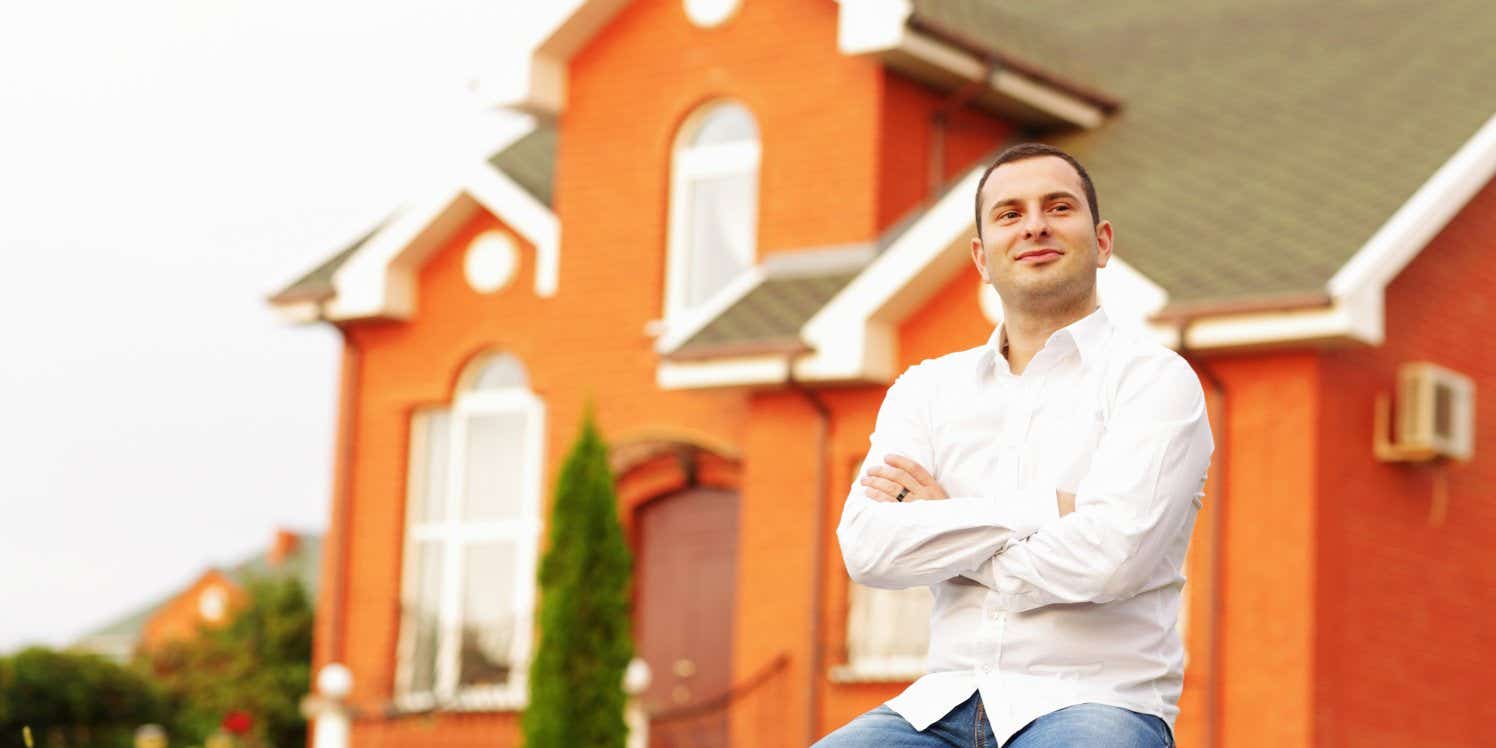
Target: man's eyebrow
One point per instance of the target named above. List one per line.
(1051, 196)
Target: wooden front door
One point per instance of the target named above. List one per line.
(687, 571)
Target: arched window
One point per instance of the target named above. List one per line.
(471, 533)
(713, 205)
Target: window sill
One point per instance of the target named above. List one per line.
(462, 703)
(877, 671)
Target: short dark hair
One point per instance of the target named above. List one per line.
(1024, 151)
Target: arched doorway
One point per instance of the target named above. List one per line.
(686, 541)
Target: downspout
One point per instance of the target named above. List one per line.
(940, 126)
(342, 481)
(1216, 530)
(818, 550)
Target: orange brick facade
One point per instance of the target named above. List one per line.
(182, 616)
(1406, 598)
(1325, 562)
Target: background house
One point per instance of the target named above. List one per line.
(736, 222)
(208, 600)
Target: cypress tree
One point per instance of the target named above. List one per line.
(576, 678)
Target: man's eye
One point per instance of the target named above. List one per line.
(1062, 207)
(1007, 214)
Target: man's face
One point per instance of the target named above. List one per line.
(1039, 247)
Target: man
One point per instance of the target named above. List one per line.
(1044, 486)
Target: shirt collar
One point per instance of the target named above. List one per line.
(1085, 334)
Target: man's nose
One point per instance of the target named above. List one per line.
(1034, 224)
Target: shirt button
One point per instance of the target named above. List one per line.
(986, 670)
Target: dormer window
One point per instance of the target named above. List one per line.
(713, 205)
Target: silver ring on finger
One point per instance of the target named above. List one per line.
(902, 493)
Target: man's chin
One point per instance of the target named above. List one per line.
(1049, 295)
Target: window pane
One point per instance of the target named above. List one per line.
(890, 623)
(495, 465)
(723, 215)
(726, 123)
(420, 615)
(430, 457)
(487, 613)
(500, 372)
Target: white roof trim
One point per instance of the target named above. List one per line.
(378, 280)
(881, 27)
(504, 198)
(1422, 217)
(540, 88)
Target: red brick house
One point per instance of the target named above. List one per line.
(209, 600)
(738, 220)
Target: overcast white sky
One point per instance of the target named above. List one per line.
(164, 165)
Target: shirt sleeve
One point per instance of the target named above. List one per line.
(914, 544)
(1142, 488)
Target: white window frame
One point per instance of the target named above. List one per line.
(688, 164)
(455, 536)
(862, 667)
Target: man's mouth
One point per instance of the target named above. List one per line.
(1039, 256)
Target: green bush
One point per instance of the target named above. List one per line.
(258, 663)
(576, 679)
(73, 699)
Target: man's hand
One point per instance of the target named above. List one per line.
(885, 482)
(1066, 501)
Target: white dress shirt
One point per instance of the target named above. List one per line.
(1037, 611)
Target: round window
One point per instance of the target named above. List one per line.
(491, 261)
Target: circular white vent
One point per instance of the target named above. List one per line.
(491, 261)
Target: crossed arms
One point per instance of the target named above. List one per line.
(1145, 474)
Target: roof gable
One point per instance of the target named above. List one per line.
(373, 276)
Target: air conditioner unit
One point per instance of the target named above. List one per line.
(1435, 416)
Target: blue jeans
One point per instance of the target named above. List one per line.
(1082, 725)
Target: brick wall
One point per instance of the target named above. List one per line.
(1405, 655)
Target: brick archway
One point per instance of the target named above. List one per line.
(680, 503)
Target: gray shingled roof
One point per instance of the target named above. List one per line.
(770, 314)
(529, 161)
(1260, 142)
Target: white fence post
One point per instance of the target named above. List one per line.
(635, 679)
(328, 707)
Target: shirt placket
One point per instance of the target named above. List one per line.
(1023, 395)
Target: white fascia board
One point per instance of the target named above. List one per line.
(681, 329)
(844, 332)
(373, 282)
(298, 312)
(540, 86)
(509, 202)
(1013, 85)
(1047, 99)
(1355, 319)
(770, 369)
(868, 26)
(881, 26)
(727, 372)
(1422, 217)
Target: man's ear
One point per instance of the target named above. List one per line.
(1103, 243)
(979, 258)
